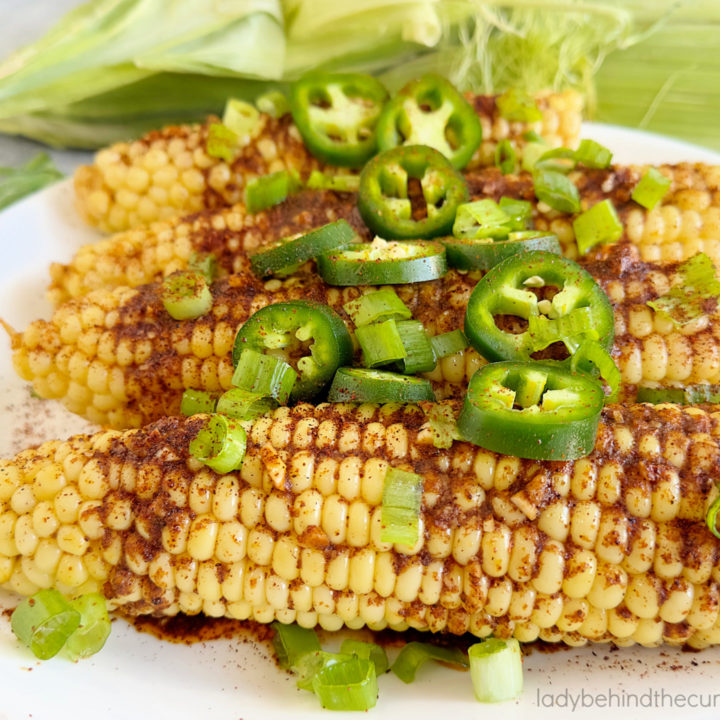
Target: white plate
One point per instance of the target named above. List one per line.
(140, 675)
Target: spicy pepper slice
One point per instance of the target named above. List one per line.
(532, 410)
(430, 111)
(384, 198)
(578, 310)
(310, 336)
(336, 115)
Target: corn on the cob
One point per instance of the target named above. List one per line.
(610, 547)
(117, 358)
(169, 172)
(687, 222)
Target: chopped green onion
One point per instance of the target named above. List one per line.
(531, 153)
(480, 219)
(546, 331)
(369, 651)
(532, 136)
(401, 503)
(291, 642)
(340, 183)
(273, 103)
(206, 264)
(309, 664)
(197, 401)
(220, 444)
(415, 654)
(689, 297)
(419, 355)
(44, 622)
(361, 385)
(381, 343)
(222, 142)
(711, 517)
(593, 359)
(242, 118)
(443, 426)
(265, 375)
(560, 160)
(515, 105)
(241, 404)
(377, 306)
(186, 295)
(505, 157)
(689, 395)
(268, 190)
(519, 213)
(294, 251)
(593, 155)
(448, 343)
(598, 225)
(347, 685)
(94, 627)
(556, 190)
(496, 669)
(651, 188)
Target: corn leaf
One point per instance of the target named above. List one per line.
(16, 183)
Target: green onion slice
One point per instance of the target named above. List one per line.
(186, 295)
(651, 188)
(505, 157)
(599, 224)
(205, 264)
(401, 503)
(518, 106)
(222, 142)
(711, 517)
(94, 627)
(519, 212)
(531, 154)
(292, 642)
(593, 155)
(240, 404)
(419, 354)
(273, 103)
(415, 654)
(197, 401)
(532, 136)
(220, 444)
(339, 183)
(296, 251)
(695, 285)
(268, 190)
(381, 343)
(369, 651)
(242, 118)
(309, 664)
(449, 343)
(561, 160)
(556, 190)
(347, 685)
(689, 395)
(593, 359)
(481, 219)
(44, 622)
(377, 306)
(496, 669)
(360, 385)
(265, 375)
(442, 424)
(384, 262)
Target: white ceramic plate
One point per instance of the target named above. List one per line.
(139, 675)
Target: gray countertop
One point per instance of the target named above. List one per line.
(22, 22)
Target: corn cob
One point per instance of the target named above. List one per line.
(168, 172)
(610, 547)
(687, 222)
(117, 358)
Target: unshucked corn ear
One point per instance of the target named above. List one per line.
(117, 357)
(609, 547)
(686, 222)
(169, 172)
